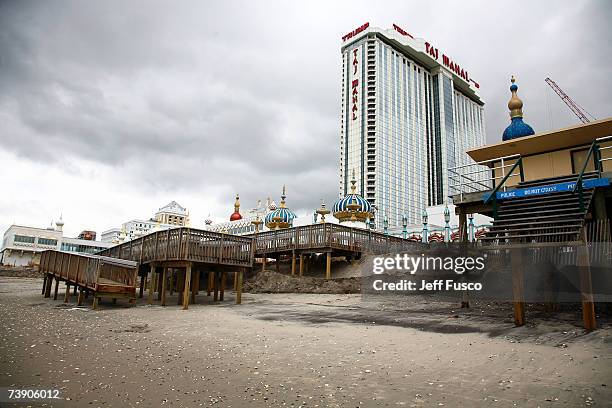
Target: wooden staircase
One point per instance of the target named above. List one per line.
(554, 217)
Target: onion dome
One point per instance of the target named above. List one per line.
(281, 217)
(271, 205)
(236, 215)
(208, 221)
(517, 127)
(352, 207)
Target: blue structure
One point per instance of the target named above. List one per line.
(352, 209)
(517, 127)
(282, 217)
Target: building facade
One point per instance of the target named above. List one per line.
(172, 215)
(409, 112)
(21, 245)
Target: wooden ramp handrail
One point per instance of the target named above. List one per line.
(88, 270)
(186, 244)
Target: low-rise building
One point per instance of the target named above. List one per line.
(22, 245)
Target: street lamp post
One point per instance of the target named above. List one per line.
(446, 225)
(425, 237)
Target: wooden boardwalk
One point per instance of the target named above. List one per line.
(175, 260)
(187, 260)
(99, 275)
(332, 239)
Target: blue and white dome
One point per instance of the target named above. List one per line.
(281, 217)
(517, 127)
(352, 207)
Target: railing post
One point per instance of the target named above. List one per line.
(494, 206)
(503, 170)
(597, 159)
(460, 185)
(580, 194)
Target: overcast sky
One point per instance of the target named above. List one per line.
(111, 109)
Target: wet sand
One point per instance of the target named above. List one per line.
(292, 350)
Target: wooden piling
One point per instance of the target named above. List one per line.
(163, 287)
(94, 304)
(67, 293)
(210, 283)
(160, 284)
(180, 285)
(56, 287)
(195, 286)
(239, 287)
(301, 265)
(81, 297)
(187, 283)
(328, 266)
(142, 284)
(151, 283)
(517, 287)
(222, 288)
(49, 283)
(216, 287)
(293, 263)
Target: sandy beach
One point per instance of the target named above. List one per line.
(298, 350)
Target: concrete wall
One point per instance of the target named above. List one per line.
(20, 258)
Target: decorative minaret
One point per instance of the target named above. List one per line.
(517, 127)
(60, 224)
(322, 211)
(236, 215)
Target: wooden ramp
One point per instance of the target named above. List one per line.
(98, 275)
(187, 260)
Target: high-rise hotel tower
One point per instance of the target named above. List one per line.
(409, 113)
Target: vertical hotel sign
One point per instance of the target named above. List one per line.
(354, 89)
(355, 79)
(355, 85)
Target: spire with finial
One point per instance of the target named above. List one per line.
(517, 127)
(236, 215)
(322, 211)
(283, 196)
(60, 223)
(353, 183)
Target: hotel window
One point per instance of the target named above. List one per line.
(47, 241)
(578, 158)
(25, 239)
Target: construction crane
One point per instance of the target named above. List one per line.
(578, 111)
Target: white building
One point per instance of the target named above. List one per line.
(172, 215)
(21, 245)
(409, 112)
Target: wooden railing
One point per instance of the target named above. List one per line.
(186, 244)
(87, 270)
(327, 236)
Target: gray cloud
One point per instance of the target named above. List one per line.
(213, 98)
